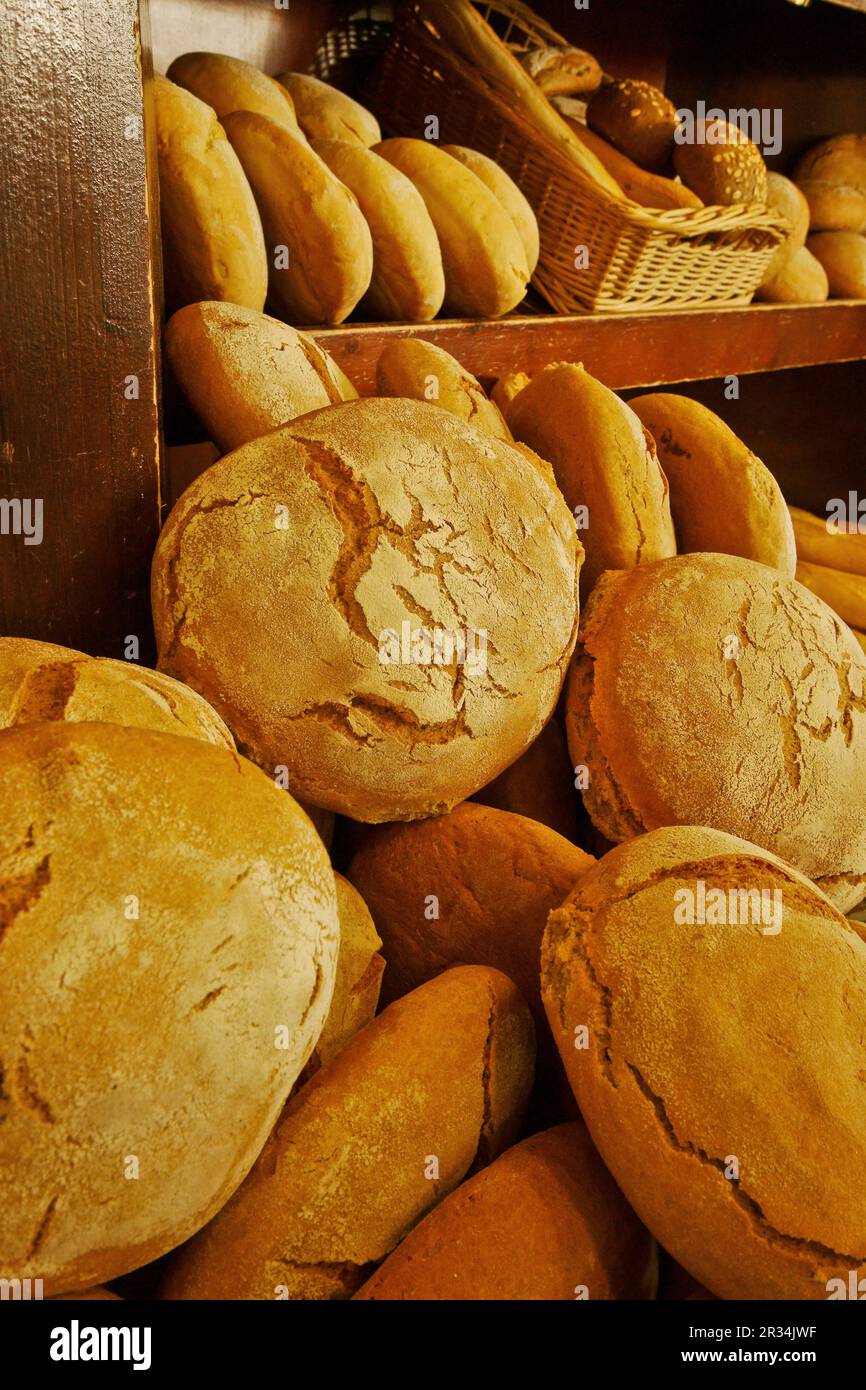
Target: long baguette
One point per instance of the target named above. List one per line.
(841, 550)
(844, 593)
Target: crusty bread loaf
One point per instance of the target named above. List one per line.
(408, 281)
(723, 498)
(284, 577)
(486, 271)
(648, 189)
(801, 279)
(376, 1139)
(421, 371)
(832, 176)
(786, 198)
(229, 84)
(169, 947)
(710, 690)
(562, 71)
(40, 681)
(820, 541)
(844, 593)
(545, 1221)
(637, 119)
(510, 196)
(493, 878)
(325, 113)
(213, 246)
(245, 373)
(540, 785)
(723, 1080)
(507, 387)
(603, 460)
(327, 260)
(843, 256)
(722, 165)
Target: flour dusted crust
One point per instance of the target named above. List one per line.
(392, 511)
(41, 681)
(712, 1042)
(148, 1037)
(770, 744)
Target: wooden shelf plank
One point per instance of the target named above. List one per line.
(624, 350)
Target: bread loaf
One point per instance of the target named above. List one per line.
(844, 593)
(723, 498)
(169, 946)
(413, 368)
(408, 281)
(375, 1140)
(320, 251)
(603, 460)
(843, 256)
(820, 541)
(284, 577)
(325, 113)
(800, 280)
(486, 272)
(540, 785)
(562, 71)
(786, 198)
(710, 690)
(507, 387)
(722, 1081)
(637, 119)
(545, 1221)
(213, 247)
(506, 190)
(722, 165)
(832, 176)
(229, 84)
(245, 373)
(641, 186)
(40, 681)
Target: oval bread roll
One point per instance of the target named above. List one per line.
(545, 1221)
(40, 681)
(723, 1081)
(506, 190)
(711, 690)
(832, 176)
(723, 166)
(167, 913)
(844, 593)
(723, 498)
(348, 1169)
(229, 84)
(843, 256)
(325, 113)
(413, 368)
(408, 281)
(213, 246)
(486, 272)
(562, 71)
(821, 542)
(245, 373)
(326, 260)
(801, 279)
(603, 460)
(284, 577)
(785, 197)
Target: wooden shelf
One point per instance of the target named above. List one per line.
(625, 350)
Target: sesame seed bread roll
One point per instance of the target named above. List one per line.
(168, 954)
(604, 460)
(330, 586)
(245, 374)
(540, 785)
(759, 688)
(545, 1221)
(213, 245)
(641, 186)
(506, 190)
(404, 1112)
(723, 1077)
(722, 496)
(722, 165)
(408, 281)
(637, 119)
(801, 279)
(229, 84)
(328, 258)
(42, 682)
(417, 370)
(821, 542)
(325, 113)
(486, 271)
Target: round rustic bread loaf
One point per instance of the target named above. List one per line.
(801, 279)
(722, 1002)
(711, 690)
(284, 577)
(416, 370)
(843, 256)
(169, 941)
(545, 1221)
(40, 681)
(230, 84)
(637, 119)
(832, 176)
(723, 166)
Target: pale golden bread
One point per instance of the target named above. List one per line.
(421, 371)
(801, 279)
(821, 542)
(844, 593)
(230, 84)
(843, 256)
(832, 175)
(784, 197)
(510, 196)
(325, 113)
(562, 71)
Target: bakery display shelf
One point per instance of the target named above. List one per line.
(623, 350)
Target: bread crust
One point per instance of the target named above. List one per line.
(843, 256)
(832, 176)
(325, 113)
(230, 84)
(637, 119)
(723, 171)
(801, 279)
(502, 185)
(412, 368)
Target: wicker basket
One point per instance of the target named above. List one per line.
(636, 257)
(347, 54)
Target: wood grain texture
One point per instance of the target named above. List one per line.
(77, 318)
(626, 349)
(274, 39)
